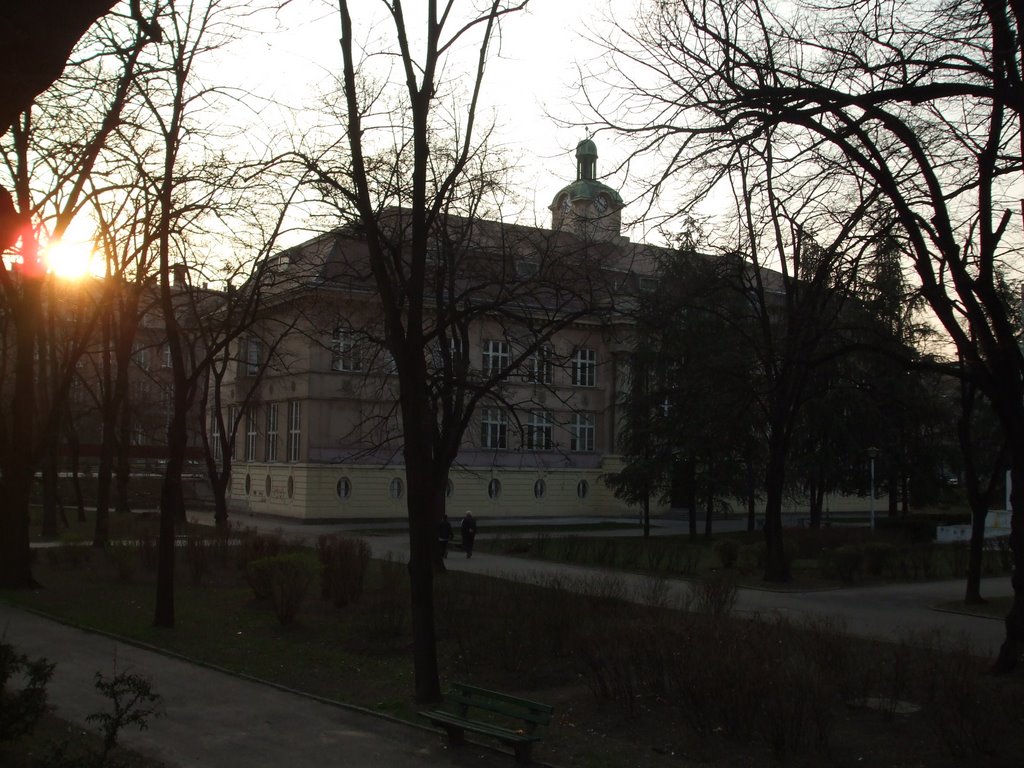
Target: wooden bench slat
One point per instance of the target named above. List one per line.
(472, 690)
(500, 708)
(440, 717)
(469, 698)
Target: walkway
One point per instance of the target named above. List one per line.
(217, 720)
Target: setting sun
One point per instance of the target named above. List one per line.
(69, 259)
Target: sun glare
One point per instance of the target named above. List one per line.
(69, 260)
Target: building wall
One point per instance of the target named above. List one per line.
(314, 492)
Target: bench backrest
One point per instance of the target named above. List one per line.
(531, 713)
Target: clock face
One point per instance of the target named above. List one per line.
(601, 203)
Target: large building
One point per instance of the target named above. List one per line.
(319, 434)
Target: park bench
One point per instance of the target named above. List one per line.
(511, 720)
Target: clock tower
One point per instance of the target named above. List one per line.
(587, 207)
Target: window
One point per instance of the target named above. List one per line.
(167, 355)
(253, 353)
(497, 357)
(294, 429)
(270, 453)
(250, 435)
(540, 368)
(218, 453)
(582, 489)
(232, 426)
(494, 428)
(540, 431)
(494, 489)
(539, 489)
(345, 351)
(396, 488)
(584, 367)
(140, 356)
(344, 488)
(583, 429)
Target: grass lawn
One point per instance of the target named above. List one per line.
(632, 686)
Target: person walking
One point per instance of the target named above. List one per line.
(468, 529)
(444, 534)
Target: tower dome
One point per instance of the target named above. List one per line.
(587, 206)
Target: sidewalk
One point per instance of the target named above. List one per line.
(216, 720)
(888, 612)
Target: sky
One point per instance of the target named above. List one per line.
(530, 83)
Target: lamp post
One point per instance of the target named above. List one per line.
(872, 454)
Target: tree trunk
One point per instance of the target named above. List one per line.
(817, 500)
(104, 477)
(50, 499)
(972, 594)
(776, 566)
(751, 498)
(1010, 651)
(709, 511)
(894, 491)
(17, 458)
(122, 457)
(424, 515)
(647, 515)
(172, 509)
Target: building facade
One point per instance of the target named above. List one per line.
(319, 436)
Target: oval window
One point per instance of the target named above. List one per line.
(268, 485)
(248, 485)
(494, 488)
(539, 489)
(449, 489)
(395, 488)
(582, 489)
(344, 488)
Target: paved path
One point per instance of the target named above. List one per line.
(887, 612)
(217, 720)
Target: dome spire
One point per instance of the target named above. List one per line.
(586, 160)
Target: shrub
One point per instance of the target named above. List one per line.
(287, 578)
(256, 546)
(124, 557)
(715, 596)
(20, 710)
(197, 552)
(751, 557)
(846, 561)
(728, 550)
(343, 563)
(878, 556)
(133, 702)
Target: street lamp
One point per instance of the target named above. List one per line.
(872, 454)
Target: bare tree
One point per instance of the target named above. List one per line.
(49, 171)
(420, 180)
(919, 100)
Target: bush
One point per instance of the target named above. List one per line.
(20, 710)
(287, 578)
(343, 563)
(728, 550)
(714, 596)
(846, 561)
(197, 552)
(751, 557)
(878, 556)
(124, 557)
(256, 546)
